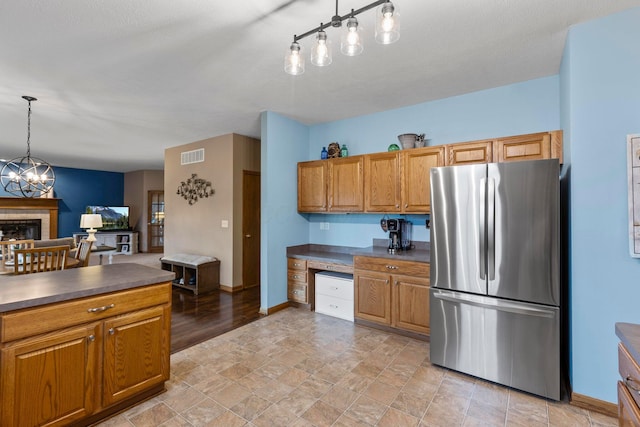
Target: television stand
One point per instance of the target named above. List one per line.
(121, 242)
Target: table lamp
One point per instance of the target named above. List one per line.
(91, 221)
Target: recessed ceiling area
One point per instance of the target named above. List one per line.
(120, 81)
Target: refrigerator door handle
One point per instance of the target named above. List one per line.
(494, 304)
(481, 229)
(491, 228)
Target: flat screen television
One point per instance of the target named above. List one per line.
(113, 217)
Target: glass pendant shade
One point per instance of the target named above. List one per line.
(321, 52)
(293, 60)
(387, 24)
(351, 40)
(27, 176)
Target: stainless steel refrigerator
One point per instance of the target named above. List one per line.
(495, 298)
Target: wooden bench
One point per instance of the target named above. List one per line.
(198, 273)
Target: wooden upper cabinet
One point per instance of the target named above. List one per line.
(346, 184)
(416, 177)
(535, 146)
(466, 153)
(382, 182)
(312, 186)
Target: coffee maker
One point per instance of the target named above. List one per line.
(399, 235)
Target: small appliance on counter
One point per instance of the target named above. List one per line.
(399, 235)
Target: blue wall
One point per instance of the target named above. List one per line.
(77, 188)
(527, 107)
(600, 68)
(283, 145)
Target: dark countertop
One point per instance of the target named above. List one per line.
(629, 334)
(345, 254)
(32, 290)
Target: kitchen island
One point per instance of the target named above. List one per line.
(78, 345)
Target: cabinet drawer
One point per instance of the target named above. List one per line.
(297, 292)
(296, 264)
(630, 372)
(329, 266)
(410, 268)
(297, 276)
(53, 317)
(326, 285)
(336, 307)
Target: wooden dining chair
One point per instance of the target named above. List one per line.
(83, 252)
(7, 248)
(37, 260)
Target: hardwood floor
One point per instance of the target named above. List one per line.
(195, 319)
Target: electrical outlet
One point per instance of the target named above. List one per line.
(224, 223)
(324, 226)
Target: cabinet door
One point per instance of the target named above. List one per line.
(346, 184)
(534, 146)
(372, 297)
(469, 152)
(382, 182)
(411, 303)
(628, 411)
(136, 353)
(51, 379)
(312, 186)
(416, 177)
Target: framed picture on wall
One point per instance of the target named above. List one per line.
(124, 239)
(125, 248)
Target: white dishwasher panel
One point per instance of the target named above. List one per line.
(334, 295)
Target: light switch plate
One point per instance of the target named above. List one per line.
(224, 223)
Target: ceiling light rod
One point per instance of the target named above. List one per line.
(336, 20)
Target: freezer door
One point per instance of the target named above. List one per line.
(511, 343)
(457, 228)
(523, 237)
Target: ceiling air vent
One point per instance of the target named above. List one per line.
(194, 156)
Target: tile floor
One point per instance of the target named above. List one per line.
(299, 368)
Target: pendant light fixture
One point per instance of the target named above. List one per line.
(351, 42)
(321, 52)
(387, 31)
(27, 176)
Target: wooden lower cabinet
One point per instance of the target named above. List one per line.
(392, 293)
(77, 372)
(297, 283)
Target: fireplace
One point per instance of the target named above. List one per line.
(31, 210)
(20, 229)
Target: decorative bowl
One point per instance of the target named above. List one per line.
(408, 140)
(393, 147)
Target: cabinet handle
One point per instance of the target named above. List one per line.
(99, 309)
(392, 267)
(406, 205)
(397, 282)
(386, 281)
(111, 331)
(91, 338)
(335, 288)
(295, 264)
(295, 276)
(632, 384)
(333, 306)
(295, 292)
(397, 206)
(329, 267)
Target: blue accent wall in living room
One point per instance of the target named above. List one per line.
(77, 188)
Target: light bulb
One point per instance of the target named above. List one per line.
(293, 61)
(351, 42)
(321, 52)
(387, 24)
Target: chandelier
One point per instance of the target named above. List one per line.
(387, 31)
(27, 176)
(195, 188)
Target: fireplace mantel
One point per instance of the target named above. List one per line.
(26, 203)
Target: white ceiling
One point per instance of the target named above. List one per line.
(118, 81)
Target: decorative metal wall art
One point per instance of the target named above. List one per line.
(195, 188)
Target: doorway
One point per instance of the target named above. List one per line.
(155, 224)
(250, 229)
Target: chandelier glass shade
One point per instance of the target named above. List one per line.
(387, 31)
(27, 176)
